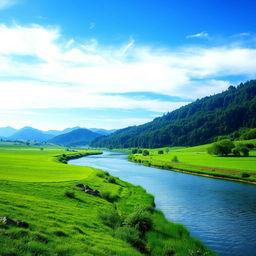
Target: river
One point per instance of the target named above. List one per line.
(220, 213)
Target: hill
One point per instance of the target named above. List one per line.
(194, 124)
(29, 133)
(59, 132)
(102, 131)
(78, 137)
(7, 131)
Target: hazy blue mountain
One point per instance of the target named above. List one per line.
(59, 132)
(29, 133)
(7, 131)
(102, 131)
(78, 137)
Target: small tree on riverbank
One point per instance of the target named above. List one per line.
(145, 152)
(221, 148)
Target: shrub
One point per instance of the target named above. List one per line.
(145, 152)
(135, 151)
(245, 175)
(109, 197)
(111, 180)
(235, 152)
(242, 148)
(101, 174)
(132, 236)
(249, 145)
(110, 218)
(251, 134)
(139, 151)
(160, 152)
(70, 194)
(140, 220)
(175, 159)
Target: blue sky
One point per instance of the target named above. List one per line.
(112, 64)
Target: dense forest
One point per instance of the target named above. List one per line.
(196, 123)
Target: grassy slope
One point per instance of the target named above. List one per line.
(32, 189)
(196, 159)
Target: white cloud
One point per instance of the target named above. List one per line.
(242, 34)
(4, 4)
(74, 74)
(198, 35)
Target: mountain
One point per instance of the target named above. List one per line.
(58, 132)
(78, 137)
(7, 131)
(102, 131)
(194, 124)
(29, 133)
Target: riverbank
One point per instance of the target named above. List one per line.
(63, 220)
(196, 161)
(207, 174)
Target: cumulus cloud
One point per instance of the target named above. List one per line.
(71, 74)
(198, 35)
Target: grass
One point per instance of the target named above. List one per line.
(37, 188)
(197, 160)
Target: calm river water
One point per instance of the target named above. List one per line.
(220, 213)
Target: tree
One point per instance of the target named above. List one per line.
(135, 151)
(243, 149)
(175, 159)
(145, 152)
(251, 134)
(221, 148)
(160, 152)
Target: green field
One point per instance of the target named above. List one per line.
(197, 160)
(37, 188)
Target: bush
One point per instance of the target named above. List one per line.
(140, 220)
(175, 159)
(135, 151)
(132, 236)
(70, 194)
(111, 180)
(160, 152)
(110, 218)
(235, 152)
(245, 175)
(109, 197)
(139, 151)
(249, 145)
(221, 148)
(101, 174)
(145, 152)
(251, 134)
(242, 148)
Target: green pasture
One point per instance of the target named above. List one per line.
(36, 188)
(196, 159)
(26, 163)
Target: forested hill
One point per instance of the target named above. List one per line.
(196, 123)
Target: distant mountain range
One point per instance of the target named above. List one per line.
(29, 133)
(194, 124)
(78, 137)
(7, 131)
(73, 136)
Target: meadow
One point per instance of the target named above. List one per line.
(196, 160)
(36, 186)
